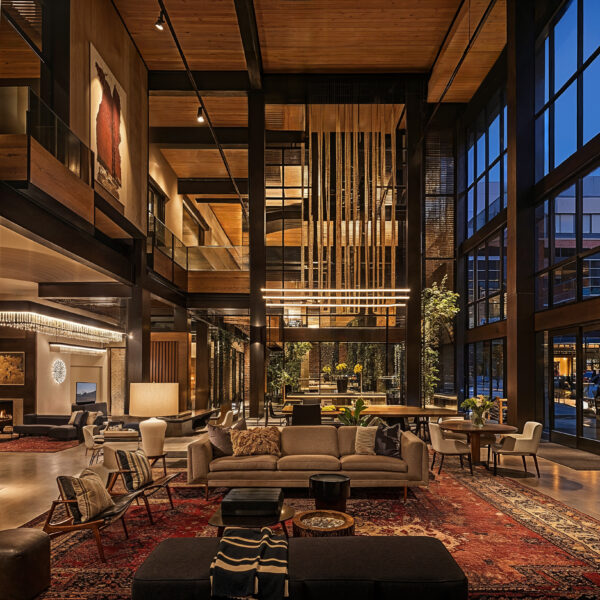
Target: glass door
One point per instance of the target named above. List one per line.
(591, 384)
(564, 383)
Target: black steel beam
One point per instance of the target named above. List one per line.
(249, 33)
(293, 88)
(84, 289)
(218, 301)
(210, 186)
(258, 255)
(188, 138)
(208, 82)
(23, 215)
(217, 200)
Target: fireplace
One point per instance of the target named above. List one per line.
(6, 414)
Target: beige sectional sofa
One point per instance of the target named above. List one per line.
(309, 450)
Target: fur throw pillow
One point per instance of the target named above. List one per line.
(260, 440)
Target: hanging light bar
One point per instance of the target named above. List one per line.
(32, 321)
(73, 349)
(286, 305)
(319, 298)
(342, 290)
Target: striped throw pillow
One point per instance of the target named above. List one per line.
(90, 494)
(136, 467)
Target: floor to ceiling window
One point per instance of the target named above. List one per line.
(568, 76)
(485, 368)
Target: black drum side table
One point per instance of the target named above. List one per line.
(330, 491)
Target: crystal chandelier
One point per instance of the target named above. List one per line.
(32, 321)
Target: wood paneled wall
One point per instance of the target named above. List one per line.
(96, 22)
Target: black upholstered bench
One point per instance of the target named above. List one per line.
(353, 568)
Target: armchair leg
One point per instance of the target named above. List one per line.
(148, 509)
(441, 465)
(488, 458)
(206, 491)
(169, 494)
(405, 493)
(99, 544)
(524, 464)
(495, 464)
(124, 527)
(462, 465)
(433, 461)
(470, 463)
(536, 464)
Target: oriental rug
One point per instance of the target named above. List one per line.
(36, 444)
(511, 541)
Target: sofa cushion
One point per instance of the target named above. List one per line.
(259, 462)
(346, 438)
(364, 442)
(308, 462)
(309, 439)
(362, 462)
(73, 416)
(220, 438)
(252, 442)
(63, 432)
(387, 441)
(136, 469)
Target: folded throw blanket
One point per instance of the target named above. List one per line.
(250, 564)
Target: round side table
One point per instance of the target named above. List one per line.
(330, 491)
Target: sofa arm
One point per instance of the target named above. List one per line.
(414, 452)
(199, 455)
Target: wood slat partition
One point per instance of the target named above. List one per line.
(163, 362)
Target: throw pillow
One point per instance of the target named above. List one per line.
(91, 417)
(220, 438)
(80, 418)
(74, 415)
(387, 441)
(364, 443)
(136, 469)
(261, 440)
(90, 493)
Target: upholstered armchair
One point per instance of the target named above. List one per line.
(520, 444)
(447, 446)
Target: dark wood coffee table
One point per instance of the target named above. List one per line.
(474, 434)
(254, 522)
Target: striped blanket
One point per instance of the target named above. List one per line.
(250, 564)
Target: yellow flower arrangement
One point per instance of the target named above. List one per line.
(341, 367)
(358, 368)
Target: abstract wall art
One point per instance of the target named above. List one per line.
(12, 368)
(107, 127)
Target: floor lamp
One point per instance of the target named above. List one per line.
(153, 400)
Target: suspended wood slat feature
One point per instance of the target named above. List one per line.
(352, 198)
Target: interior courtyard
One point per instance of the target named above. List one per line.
(316, 277)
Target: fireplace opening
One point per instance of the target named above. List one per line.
(6, 414)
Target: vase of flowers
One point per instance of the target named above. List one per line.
(326, 373)
(341, 372)
(358, 369)
(479, 407)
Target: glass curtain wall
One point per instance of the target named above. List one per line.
(485, 368)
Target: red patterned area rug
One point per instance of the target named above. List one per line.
(36, 444)
(511, 541)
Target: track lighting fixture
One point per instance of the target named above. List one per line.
(200, 116)
(160, 22)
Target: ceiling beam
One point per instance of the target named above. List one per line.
(218, 301)
(229, 83)
(216, 200)
(292, 88)
(198, 138)
(84, 290)
(210, 185)
(249, 33)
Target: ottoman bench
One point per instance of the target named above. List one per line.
(24, 563)
(319, 569)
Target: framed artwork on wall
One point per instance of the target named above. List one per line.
(108, 135)
(12, 368)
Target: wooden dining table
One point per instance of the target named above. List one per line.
(386, 411)
(474, 434)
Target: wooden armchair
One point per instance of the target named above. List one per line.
(73, 522)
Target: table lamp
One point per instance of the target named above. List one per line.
(153, 400)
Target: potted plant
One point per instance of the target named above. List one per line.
(353, 416)
(341, 371)
(358, 369)
(326, 373)
(479, 407)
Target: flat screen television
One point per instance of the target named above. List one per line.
(85, 392)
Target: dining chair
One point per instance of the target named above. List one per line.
(306, 414)
(274, 415)
(520, 444)
(447, 447)
(453, 435)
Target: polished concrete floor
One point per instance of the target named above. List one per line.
(28, 481)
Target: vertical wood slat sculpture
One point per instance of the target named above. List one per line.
(354, 228)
